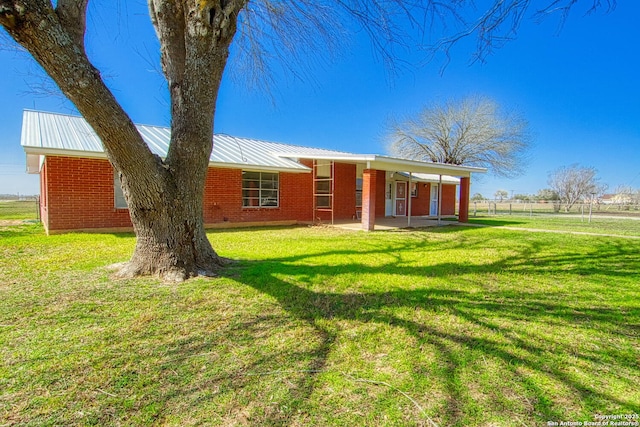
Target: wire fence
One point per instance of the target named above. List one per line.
(522, 208)
(25, 208)
(28, 208)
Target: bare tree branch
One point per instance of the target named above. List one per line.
(471, 132)
(574, 183)
(499, 24)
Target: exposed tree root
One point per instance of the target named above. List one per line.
(171, 274)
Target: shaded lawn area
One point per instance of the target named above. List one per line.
(314, 326)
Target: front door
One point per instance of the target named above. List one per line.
(388, 201)
(433, 208)
(401, 198)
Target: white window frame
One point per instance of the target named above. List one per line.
(119, 202)
(266, 189)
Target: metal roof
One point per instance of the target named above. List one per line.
(50, 133)
(432, 177)
(59, 134)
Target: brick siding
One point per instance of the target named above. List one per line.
(448, 204)
(78, 194)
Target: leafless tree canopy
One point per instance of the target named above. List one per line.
(472, 132)
(575, 183)
(289, 32)
(499, 22)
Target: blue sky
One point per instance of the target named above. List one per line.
(579, 89)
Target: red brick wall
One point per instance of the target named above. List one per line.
(463, 214)
(448, 205)
(345, 191)
(223, 198)
(420, 204)
(80, 195)
(381, 177)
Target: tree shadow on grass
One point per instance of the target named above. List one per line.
(507, 326)
(465, 335)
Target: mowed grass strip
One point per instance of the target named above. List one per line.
(456, 326)
(18, 209)
(575, 223)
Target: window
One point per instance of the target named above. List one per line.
(358, 192)
(120, 201)
(323, 193)
(323, 182)
(260, 189)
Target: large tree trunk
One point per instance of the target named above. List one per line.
(171, 241)
(165, 197)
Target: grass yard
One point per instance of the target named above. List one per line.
(18, 209)
(610, 225)
(456, 326)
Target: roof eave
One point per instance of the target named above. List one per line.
(39, 151)
(246, 166)
(29, 149)
(386, 163)
(393, 163)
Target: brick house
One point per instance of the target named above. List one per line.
(250, 182)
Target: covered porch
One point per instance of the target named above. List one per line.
(394, 223)
(376, 213)
(371, 189)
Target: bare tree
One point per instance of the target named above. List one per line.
(500, 195)
(473, 132)
(548, 195)
(574, 183)
(165, 196)
(623, 195)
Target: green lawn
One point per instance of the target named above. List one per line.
(456, 326)
(18, 209)
(600, 224)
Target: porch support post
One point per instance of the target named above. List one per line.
(369, 199)
(409, 202)
(463, 214)
(439, 199)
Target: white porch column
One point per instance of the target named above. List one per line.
(439, 199)
(409, 202)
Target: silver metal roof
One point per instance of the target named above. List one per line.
(59, 134)
(50, 133)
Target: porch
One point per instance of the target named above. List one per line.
(394, 223)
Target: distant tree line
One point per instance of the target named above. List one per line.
(569, 186)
